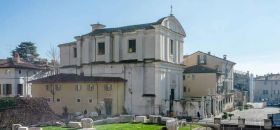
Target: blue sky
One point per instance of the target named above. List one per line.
(248, 31)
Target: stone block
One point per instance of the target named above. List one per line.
(241, 122)
(171, 125)
(267, 124)
(35, 128)
(23, 128)
(16, 126)
(99, 122)
(93, 114)
(126, 118)
(164, 119)
(87, 123)
(155, 119)
(142, 119)
(182, 123)
(112, 120)
(73, 124)
(217, 120)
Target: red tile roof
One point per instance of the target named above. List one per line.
(10, 63)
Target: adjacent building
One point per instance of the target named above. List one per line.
(78, 93)
(267, 89)
(243, 84)
(209, 79)
(148, 56)
(15, 73)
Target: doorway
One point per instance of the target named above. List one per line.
(108, 106)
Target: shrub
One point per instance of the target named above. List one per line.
(225, 116)
(7, 102)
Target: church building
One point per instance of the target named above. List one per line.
(148, 56)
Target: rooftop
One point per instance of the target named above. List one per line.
(11, 63)
(74, 78)
(199, 69)
(129, 28)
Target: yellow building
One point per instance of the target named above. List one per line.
(209, 79)
(79, 93)
(200, 81)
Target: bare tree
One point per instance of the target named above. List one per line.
(53, 54)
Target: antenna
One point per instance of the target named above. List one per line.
(171, 10)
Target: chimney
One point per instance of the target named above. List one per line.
(97, 26)
(209, 53)
(225, 57)
(17, 57)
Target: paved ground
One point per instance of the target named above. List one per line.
(252, 116)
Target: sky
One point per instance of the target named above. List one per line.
(247, 31)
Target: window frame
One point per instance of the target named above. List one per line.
(171, 47)
(130, 45)
(75, 52)
(99, 51)
(108, 87)
(90, 87)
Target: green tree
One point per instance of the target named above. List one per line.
(26, 50)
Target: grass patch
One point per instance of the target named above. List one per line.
(57, 128)
(129, 126)
(188, 127)
(123, 126)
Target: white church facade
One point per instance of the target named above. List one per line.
(149, 56)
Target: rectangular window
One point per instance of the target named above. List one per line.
(101, 48)
(0, 89)
(131, 46)
(78, 87)
(201, 59)
(108, 87)
(7, 89)
(19, 89)
(171, 47)
(58, 100)
(185, 89)
(48, 87)
(90, 100)
(184, 77)
(276, 82)
(193, 77)
(57, 87)
(90, 87)
(75, 52)
(78, 100)
(19, 71)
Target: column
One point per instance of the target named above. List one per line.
(167, 51)
(93, 50)
(79, 50)
(107, 48)
(157, 43)
(176, 51)
(139, 45)
(116, 47)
